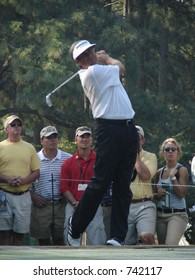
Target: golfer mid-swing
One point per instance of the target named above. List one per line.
(116, 141)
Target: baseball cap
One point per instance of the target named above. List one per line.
(82, 130)
(47, 131)
(79, 47)
(140, 130)
(10, 119)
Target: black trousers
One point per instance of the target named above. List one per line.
(116, 145)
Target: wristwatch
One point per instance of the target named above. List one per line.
(173, 178)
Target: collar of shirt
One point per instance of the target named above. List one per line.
(42, 157)
(90, 157)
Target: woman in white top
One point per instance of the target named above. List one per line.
(170, 191)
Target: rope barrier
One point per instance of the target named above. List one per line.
(152, 184)
(88, 181)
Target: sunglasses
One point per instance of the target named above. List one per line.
(170, 149)
(15, 124)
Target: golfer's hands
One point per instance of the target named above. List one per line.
(102, 57)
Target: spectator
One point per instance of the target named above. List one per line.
(171, 187)
(19, 167)
(75, 175)
(116, 141)
(47, 215)
(142, 211)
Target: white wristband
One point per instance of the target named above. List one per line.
(173, 178)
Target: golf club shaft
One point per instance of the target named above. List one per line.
(48, 97)
(65, 82)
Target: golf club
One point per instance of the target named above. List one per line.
(48, 97)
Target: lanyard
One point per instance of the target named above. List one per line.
(81, 170)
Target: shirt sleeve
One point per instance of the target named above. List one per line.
(35, 163)
(151, 164)
(107, 75)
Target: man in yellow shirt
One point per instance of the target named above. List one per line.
(19, 167)
(142, 212)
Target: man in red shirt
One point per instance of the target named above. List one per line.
(76, 173)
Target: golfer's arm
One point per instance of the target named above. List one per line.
(113, 61)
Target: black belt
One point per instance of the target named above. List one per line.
(120, 122)
(14, 193)
(171, 210)
(55, 201)
(140, 200)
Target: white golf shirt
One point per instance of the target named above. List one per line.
(107, 96)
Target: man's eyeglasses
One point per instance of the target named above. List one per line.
(15, 124)
(170, 149)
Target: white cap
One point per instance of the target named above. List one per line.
(140, 130)
(81, 47)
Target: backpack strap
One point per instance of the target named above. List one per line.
(179, 166)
